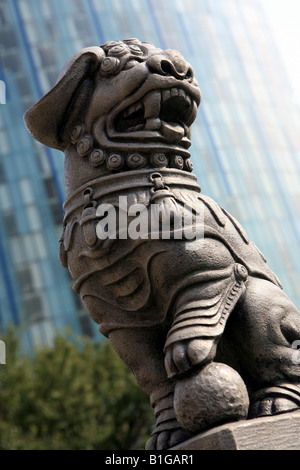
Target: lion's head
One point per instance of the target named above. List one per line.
(125, 104)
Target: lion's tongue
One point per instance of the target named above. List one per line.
(172, 131)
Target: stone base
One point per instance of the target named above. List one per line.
(280, 432)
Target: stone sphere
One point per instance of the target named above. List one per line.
(215, 395)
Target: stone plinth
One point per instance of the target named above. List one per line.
(281, 432)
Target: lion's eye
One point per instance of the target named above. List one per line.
(130, 64)
(134, 49)
(109, 66)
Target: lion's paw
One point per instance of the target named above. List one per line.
(167, 439)
(182, 356)
(279, 398)
(270, 406)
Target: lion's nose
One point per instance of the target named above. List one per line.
(170, 63)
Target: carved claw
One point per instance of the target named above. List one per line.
(281, 398)
(272, 406)
(177, 360)
(167, 432)
(180, 357)
(167, 439)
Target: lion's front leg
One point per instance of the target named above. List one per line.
(207, 393)
(265, 332)
(141, 350)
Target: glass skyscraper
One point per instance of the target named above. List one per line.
(245, 141)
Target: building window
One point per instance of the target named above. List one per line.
(25, 280)
(85, 324)
(24, 86)
(3, 15)
(84, 319)
(34, 308)
(41, 157)
(50, 188)
(47, 57)
(5, 197)
(26, 188)
(56, 213)
(10, 224)
(7, 37)
(33, 218)
(12, 62)
(5, 145)
(2, 174)
(53, 201)
(38, 240)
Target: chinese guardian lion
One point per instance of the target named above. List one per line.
(202, 322)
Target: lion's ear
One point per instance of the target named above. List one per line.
(56, 112)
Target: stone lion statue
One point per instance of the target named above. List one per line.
(201, 320)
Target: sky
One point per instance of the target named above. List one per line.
(284, 20)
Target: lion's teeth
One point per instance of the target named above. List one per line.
(152, 104)
(188, 100)
(192, 114)
(130, 110)
(133, 109)
(139, 127)
(171, 92)
(165, 94)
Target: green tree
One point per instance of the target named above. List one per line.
(74, 395)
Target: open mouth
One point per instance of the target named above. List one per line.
(169, 111)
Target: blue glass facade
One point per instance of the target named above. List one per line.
(245, 142)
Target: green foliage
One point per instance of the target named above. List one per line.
(70, 396)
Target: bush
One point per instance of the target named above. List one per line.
(74, 395)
